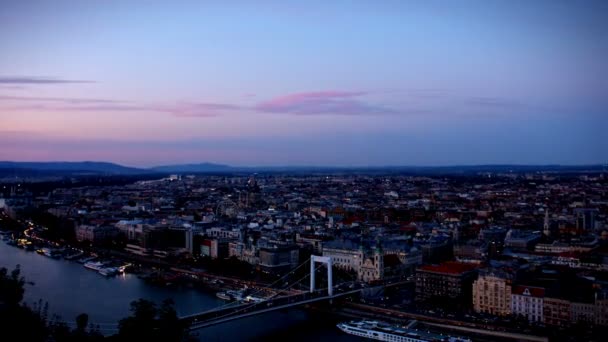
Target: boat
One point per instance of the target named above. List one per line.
(56, 253)
(108, 271)
(44, 251)
(233, 295)
(252, 299)
(94, 265)
(386, 332)
(73, 256)
(223, 295)
(85, 260)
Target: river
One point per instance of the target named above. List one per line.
(70, 289)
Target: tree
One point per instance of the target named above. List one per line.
(82, 321)
(11, 287)
(150, 323)
(170, 327)
(17, 319)
(141, 324)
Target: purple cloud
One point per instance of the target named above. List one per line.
(321, 102)
(37, 80)
(307, 103)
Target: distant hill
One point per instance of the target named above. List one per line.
(195, 168)
(41, 169)
(7, 167)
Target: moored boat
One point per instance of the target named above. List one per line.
(94, 265)
(108, 271)
(223, 295)
(386, 332)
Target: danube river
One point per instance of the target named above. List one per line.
(71, 289)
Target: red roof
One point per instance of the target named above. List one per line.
(528, 291)
(449, 267)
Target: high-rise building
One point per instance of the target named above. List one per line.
(585, 218)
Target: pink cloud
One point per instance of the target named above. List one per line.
(330, 102)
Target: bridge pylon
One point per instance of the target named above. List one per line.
(327, 261)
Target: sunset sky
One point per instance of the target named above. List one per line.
(334, 83)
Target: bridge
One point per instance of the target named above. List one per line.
(236, 310)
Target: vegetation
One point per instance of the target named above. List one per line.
(147, 322)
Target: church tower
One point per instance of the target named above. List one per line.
(546, 226)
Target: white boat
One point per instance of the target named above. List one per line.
(223, 295)
(94, 265)
(252, 299)
(233, 295)
(385, 332)
(108, 271)
(44, 251)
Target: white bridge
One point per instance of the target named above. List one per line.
(236, 310)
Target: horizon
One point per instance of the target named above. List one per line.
(281, 84)
(152, 166)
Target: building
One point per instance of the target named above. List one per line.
(223, 233)
(564, 312)
(521, 239)
(369, 263)
(473, 250)
(214, 248)
(583, 312)
(585, 218)
(95, 233)
(244, 251)
(279, 259)
(492, 292)
(315, 242)
(345, 255)
(556, 311)
(527, 301)
(449, 280)
(436, 250)
(371, 268)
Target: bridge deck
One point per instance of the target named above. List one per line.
(214, 317)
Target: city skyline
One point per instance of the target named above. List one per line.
(314, 84)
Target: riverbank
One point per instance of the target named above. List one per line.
(110, 262)
(70, 289)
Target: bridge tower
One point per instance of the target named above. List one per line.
(326, 261)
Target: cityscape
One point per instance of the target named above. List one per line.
(406, 171)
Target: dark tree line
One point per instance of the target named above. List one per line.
(148, 322)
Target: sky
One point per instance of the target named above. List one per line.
(306, 83)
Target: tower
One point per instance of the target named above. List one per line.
(379, 260)
(546, 226)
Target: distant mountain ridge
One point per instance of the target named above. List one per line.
(201, 167)
(71, 167)
(13, 169)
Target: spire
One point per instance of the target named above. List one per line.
(546, 226)
(378, 245)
